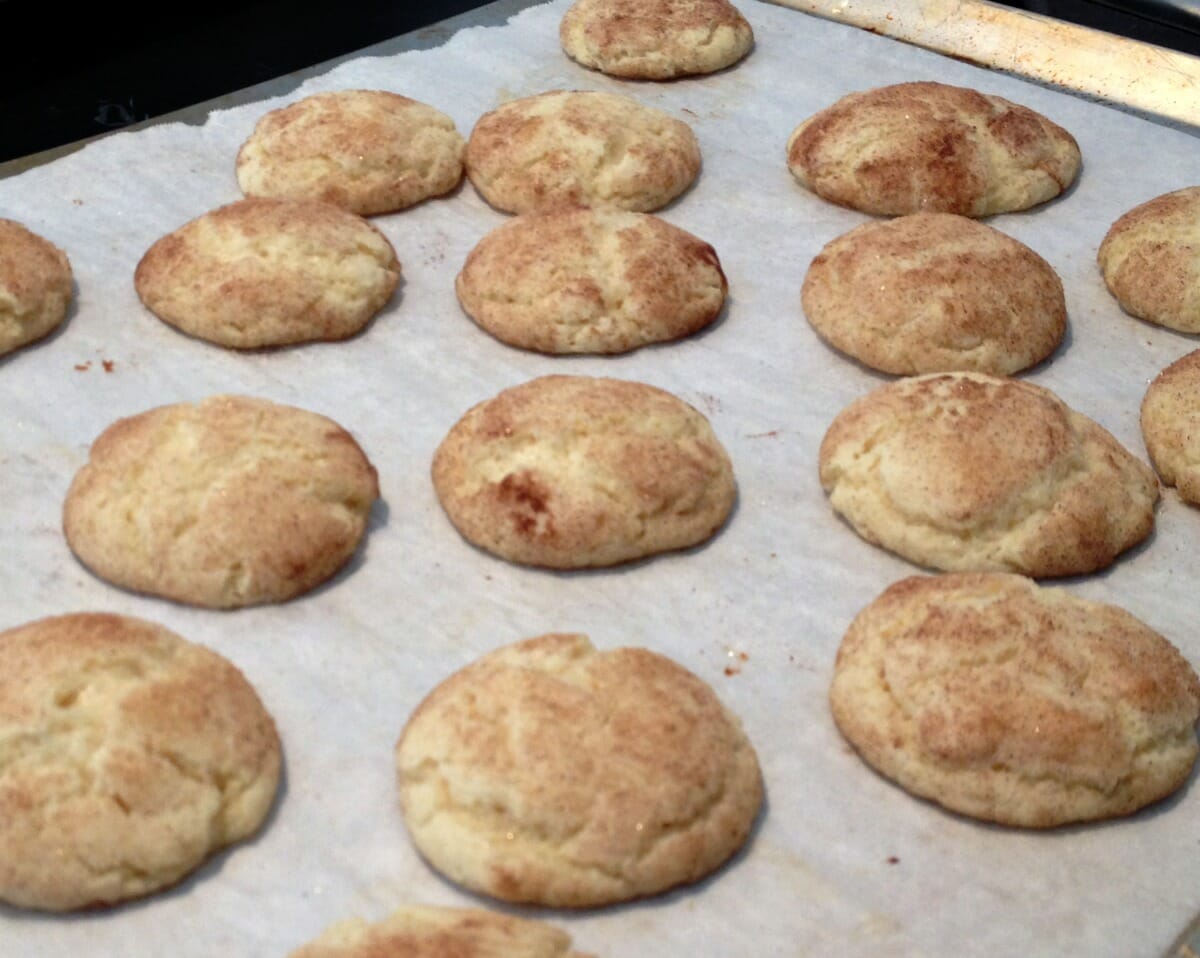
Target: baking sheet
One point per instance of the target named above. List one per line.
(842, 862)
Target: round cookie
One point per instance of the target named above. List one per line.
(129, 756)
(1151, 260)
(570, 472)
(655, 39)
(935, 292)
(928, 147)
(578, 148)
(1015, 704)
(974, 473)
(550, 773)
(580, 280)
(1171, 425)
(264, 272)
(422, 931)
(225, 503)
(35, 286)
(367, 151)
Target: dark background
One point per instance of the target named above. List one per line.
(72, 72)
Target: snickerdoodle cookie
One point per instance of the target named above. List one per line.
(1013, 703)
(224, 503)
(579, 280)
(127, 757)
(569, 472)
(367, 151)
(551, 773)
(928, 147)
(973, 473)
(264, 272)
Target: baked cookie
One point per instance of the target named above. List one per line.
(968, 472)
(570, 472)
(1013, 703)
(1171, 425)
(580, 280)
(574, 148)
(655, 39)
(929, 147)
(550, 773)
(934, 292)
(420, 931)
(35, 286)
(367, 151)
(224, 503)
(127, 757)
(1151, 260)
(269, 273)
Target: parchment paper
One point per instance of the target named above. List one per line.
(842, 862)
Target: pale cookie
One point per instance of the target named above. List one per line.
(553, 774)
(269, 273)
(1171, 425)
(224, 503)
(1015, 704)
(973, 473)
(420, 931)
(928, 147)
(367, 151)
(580, 149)
(35, 286)
(590, 281)
(655, 39)
(1151, 260)
(571, 472)
(127, 757)
(934, 292)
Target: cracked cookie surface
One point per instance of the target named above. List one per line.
(580, 148)
(590, 281)
(266, 272)
(549, 772)
(1150, 259)
(228, 502)
(655, 39)
(571, 472)
(367, 151)
(127, 756)
(1013, 703)
(970, 472)
(1170, 421)
(35, 286)
(928, 147)
(933, 292)
(422, 931)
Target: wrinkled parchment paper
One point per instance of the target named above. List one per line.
(842, 862)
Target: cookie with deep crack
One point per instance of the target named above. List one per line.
(550, 773)
(229, 502)
(570, 472)
(367, 151)
(267, 272)
(655, 39)
(935, 292)
(35, 286)
(423, 931)
(1013, 703)
(1170, 420)
(580, 148)
(1150, 259)
(127, 756)
(929, 147)
(580, 280)
(968, 472)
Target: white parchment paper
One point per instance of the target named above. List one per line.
(842, 862)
